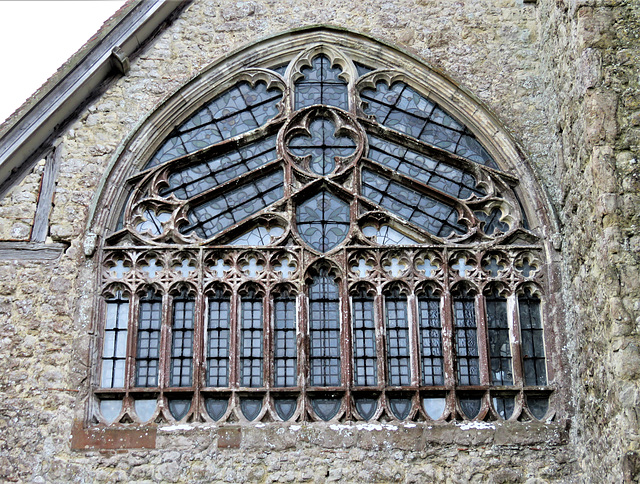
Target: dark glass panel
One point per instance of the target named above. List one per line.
(364, 341)
(471, 406)
(285, 353)
(538, 406)
(324, 331)
(326, 408)
(323, 221)
(218, 341)
(466, 340)
(148, 345)
(499, 343)
(491, 223)
(431, 340)
(362, 69)
(400, 407)
(179, 408)
(504, 406)
(532, 339)
(397, 326)
(430, 214)
(216, 407)
(209, 218)
(251, 407)
(366, 407)
(114, 353)
(285, 407)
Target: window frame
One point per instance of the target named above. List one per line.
(300, 308)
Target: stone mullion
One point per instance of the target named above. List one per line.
(134, 314)
(165, 342)
(446, 309)
(483, 340)
(302, 341)
(380, 321)
(516, 340)
(414, 340)
(268, 347)
(346, 341)
(234, 336)
(197, 378)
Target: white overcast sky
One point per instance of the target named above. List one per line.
(37, 37)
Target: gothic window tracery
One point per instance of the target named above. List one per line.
(322, 242)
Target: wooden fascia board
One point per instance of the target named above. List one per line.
(24, 143)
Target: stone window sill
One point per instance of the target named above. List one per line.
(275, 436)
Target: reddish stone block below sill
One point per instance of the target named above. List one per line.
(112, 439)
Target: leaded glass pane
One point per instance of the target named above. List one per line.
(114, 353)
(471, 406)
(504, 406)
(397, 327)
(366, 407)
(323, 221)
(441, 176)
(434, 216)
(251, 407)
(324, 331)
(322, 145)
(285, 355)
(209, 218)
(364, 341)
(321, 85)
(466, 341)
(326, 408)
(182, 341)
(400, 407)
(285, 407)
(236, 111)
(538, 406)
(401, 108)
(196, 179)
(251, 357)
(492, 223)
(179, 408)
(499, 344)
(532, 339)
(218, 341)
(431, 340)
(148, 345)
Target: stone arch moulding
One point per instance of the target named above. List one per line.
(142, 142)
(508, 198)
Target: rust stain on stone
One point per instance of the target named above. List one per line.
(229, 438)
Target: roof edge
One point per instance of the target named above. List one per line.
(29, 132)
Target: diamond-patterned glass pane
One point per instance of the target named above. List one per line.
(402, 109)
(323, 221)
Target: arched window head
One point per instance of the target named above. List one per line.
(326, 233)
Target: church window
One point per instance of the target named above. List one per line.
(321, 241)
